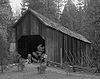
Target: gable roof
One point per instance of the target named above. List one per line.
(57, 26)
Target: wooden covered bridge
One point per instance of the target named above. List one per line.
(61, 44)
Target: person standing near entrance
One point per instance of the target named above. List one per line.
(29, 58)
(39, 52)
(21, 63)
(43, 62)
(37, 55)
(42, 57)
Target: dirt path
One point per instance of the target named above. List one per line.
(52, 73)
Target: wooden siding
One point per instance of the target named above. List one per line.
(84, 54)
(54, 43)
(53, 39)
(88, 51)
(65, 49)
(25, 25)
(34, 25)
(74, 51)
(79, 51)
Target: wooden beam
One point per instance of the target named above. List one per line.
(87, 55)
(68, 57)
(78, 52)
(82, 53)
(75, 51)
(61, 56)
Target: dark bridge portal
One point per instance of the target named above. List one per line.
(28, 44)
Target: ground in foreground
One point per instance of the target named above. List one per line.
(30, 72)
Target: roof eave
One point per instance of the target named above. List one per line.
(14, 25)
(48, 24)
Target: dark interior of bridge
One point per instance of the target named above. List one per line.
(28, 44)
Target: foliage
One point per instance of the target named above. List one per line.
(5, 12)
(45, 7)
(14, 57)
(85, 22)
(3, 47)
(3, 52)
(6, 21)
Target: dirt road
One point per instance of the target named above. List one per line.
(30, 72)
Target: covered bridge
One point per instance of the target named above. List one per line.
(61, 44)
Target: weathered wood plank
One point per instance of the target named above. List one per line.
(25, 25)
(78, 51)
(34, 25)
(88, 53)
(65, 49)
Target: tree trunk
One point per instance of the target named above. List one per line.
(1, 65)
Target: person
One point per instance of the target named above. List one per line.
(21, 64)
(43, 62)
(29, 58)
(35, 57)
(42, 57)
(17, 57)
(38, 53)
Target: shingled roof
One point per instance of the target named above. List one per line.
(58, 27)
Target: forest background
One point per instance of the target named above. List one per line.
(81, 16)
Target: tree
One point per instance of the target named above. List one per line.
(93, 13)
(45, 7)
(59, 7)
(3, 52)
(85, 22)
(71, 17)
(6, 20)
